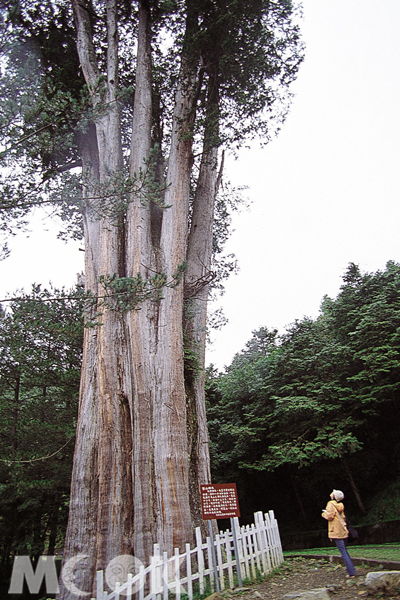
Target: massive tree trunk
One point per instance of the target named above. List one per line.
(141, 258)
(142, 443)
(138, 459)
(198, 277)
(101, 524)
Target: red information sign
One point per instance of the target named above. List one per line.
(219, 501)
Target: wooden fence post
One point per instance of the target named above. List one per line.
(258, 547)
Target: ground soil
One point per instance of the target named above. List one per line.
(299, 574)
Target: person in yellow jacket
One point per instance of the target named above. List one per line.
(337, 529)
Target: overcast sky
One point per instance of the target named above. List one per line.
(324, 193)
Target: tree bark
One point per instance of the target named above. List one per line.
(298, 497)
(197, 280)
(171, 465)
(141, 259)
(198, 277)
(353, 485)
(100, 523)
(133, 471)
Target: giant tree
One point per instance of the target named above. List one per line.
(163, 87)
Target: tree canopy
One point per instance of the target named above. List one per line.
(247, 53)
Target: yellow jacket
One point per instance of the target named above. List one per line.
(334, 513)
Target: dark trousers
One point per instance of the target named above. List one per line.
(341, 545)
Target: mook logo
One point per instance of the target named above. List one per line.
(74, 574)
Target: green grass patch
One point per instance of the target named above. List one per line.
(376, 552)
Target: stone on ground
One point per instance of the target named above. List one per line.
(215, 596)
(315, 594)
(387, 582)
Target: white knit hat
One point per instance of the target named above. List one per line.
(338, 495)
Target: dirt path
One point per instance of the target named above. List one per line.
(297, 574)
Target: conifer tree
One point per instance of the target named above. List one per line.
(41, 336)
(154, 92)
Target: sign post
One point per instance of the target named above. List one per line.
(220, 501)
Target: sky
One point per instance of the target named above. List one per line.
(324, 193)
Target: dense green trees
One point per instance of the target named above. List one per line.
(321, 402)
(40, 358)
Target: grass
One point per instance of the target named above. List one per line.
(389, 552)
(378, 552)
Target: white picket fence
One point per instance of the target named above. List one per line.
(259, 549)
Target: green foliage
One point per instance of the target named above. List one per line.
(192, 362)
(324, 392)
(384, 552)
(111, 198)
(251, 45)
(247, 52)
(310, 396)
(384, 505)
(191, 350)
(40, 358)
(128, 293)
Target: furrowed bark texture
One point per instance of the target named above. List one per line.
(142, 443)
(197, 280)
(198, 277)
(101, 512)
(141, 258)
